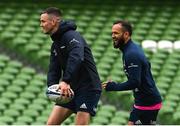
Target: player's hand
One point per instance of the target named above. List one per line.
(104, 84)
(65, 89)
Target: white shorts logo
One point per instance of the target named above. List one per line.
(83, 106)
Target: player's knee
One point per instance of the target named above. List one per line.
(82, 118)
(82, 122)
(49, 122)
(52, 121)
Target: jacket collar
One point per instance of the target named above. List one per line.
(125, 46)
(64, 26)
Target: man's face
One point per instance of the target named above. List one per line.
(46, 23)
(118, 35)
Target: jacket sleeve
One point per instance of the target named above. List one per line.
(134, 66)
(75, 48)
(54, 71)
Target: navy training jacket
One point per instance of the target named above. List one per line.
(71, 60)
(138, 71)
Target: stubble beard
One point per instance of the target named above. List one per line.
(119, 43)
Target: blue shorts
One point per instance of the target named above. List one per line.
(84, 101)
(144, 117)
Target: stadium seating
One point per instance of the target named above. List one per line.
(156, 29)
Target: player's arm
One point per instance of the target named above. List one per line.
(75, 58)
(54, 71)
(134, 67)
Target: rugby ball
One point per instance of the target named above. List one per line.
(56, 96)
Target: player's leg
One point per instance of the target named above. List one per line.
(149, 117)
(86, 105)
(82, 118)
(58, 115)
(134, 118)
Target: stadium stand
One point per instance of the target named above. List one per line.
(156, 29)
